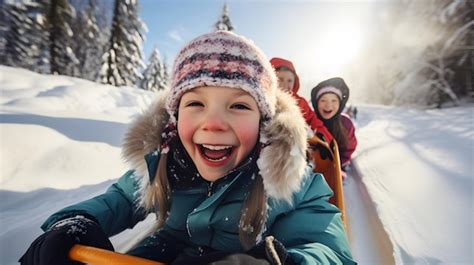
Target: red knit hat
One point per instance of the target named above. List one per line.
(223, 58)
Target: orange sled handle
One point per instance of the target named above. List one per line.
(97, 256)
(339, 189)
(332, 173)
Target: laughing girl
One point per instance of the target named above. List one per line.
(220, 161)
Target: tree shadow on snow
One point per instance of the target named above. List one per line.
(409, 259)
(78, 129)
(435, 133)
(22, 214)
(443, 134)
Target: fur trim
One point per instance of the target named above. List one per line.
(142, 137)
(281, 164)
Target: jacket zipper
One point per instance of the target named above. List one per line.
(209, 189)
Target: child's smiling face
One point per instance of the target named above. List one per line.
(286, 80)
(328, 105)
(218, 127)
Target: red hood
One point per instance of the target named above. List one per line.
(279, 62)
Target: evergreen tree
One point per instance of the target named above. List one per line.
(63, 58)
(123, 58)
(166, 75)
(89, 42)
(442, 59)
(155, 77)
(3, 30)
(224, 23)
(428, 52)
(24, 35)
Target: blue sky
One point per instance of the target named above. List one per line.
(320, 37)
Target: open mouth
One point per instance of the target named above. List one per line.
(327, 111)
(215, 153)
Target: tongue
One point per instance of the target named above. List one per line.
(215, 154)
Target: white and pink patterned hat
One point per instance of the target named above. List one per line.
(223, 58)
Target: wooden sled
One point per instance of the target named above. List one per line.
(327, 162)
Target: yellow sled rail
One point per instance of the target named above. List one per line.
(97, 256)
(330, 167)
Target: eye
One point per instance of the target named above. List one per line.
(194, 104)
(240, 106)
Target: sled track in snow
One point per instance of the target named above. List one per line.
(369, 241)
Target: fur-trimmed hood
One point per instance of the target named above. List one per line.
(282, 163)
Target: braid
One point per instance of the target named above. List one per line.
(253, 214)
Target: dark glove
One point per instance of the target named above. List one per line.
(272, 250)
(52, 247)
(323, 151)
(321, 136)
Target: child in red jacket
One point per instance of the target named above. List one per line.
(289, 81)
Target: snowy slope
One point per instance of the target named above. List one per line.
(418, 169)
(411, 202)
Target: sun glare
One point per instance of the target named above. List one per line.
(338, 46)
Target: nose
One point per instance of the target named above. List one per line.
(282, 85)
(215, 120)
(288, 87)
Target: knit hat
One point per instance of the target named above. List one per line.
(329, 89)
(223, 58)
(279, 63)
(335, 85)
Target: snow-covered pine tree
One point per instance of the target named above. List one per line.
(89, 42)
(461, 40)
(123, 59)
(155, 75)
(3, 30)
(444, 58)
(224, 23)
(166, 75)
(422, 51)
(24, 35)
(63, 57)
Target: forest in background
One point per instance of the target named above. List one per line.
(425, 55)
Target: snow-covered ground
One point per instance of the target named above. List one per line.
(409, 199)
(418, 168)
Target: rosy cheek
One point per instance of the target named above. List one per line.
(185, 129)
(248, 137)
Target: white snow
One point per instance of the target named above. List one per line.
(417, 166)
(411, 203)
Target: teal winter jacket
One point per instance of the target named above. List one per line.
(206, 217)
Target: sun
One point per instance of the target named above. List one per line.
(338, 47)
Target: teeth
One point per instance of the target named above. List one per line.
(217, 147)
(216, 160)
